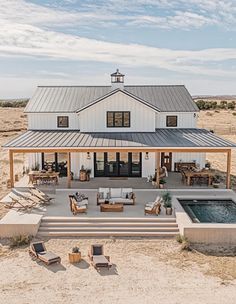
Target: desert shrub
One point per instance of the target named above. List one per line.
(180, 238)
(21, 103)
(223, 104)
(231, 105)
(209, 114)
(234, 113)
(206, 105)
(185, 245)
(20, 240)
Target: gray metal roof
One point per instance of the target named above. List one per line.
(195, 138)
(171, 98)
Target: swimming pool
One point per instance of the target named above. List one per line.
(210, 210)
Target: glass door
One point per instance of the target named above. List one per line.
(123, 164)
(99, 164)
(136, 164)
(112, 164)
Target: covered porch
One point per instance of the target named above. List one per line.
(150, 145)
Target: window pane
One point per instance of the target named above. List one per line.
(63, 121)
(100, 161)
(171, 121)
(118, 119)
(110, 119)
(126, 119)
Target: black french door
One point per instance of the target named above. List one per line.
(117, 164)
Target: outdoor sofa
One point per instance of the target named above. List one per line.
(124, 196)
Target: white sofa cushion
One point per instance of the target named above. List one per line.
(120, 200)
(83, 203)
(115, 192)
(150, 204)
(125, 191)
(148, 208)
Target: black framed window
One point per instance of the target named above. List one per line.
(171, 121)
(118, 119)
(62, 121)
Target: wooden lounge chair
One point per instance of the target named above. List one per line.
(40, 194)
(155, 209)
(31, 198)
(20, 203)
(75, 208)
(97, 257)
(38, 250)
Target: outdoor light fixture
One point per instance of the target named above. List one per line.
(146, 156)
(88, 155)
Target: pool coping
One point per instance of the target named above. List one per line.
(215, 233)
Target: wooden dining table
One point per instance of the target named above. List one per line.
(190, 174)
(47, 177)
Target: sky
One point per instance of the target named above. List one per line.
(81, 42)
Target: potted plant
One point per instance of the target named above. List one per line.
(162, 183)
(166, 197)
(75, 255)
(216, 181)
(88, 172)
(82, 174)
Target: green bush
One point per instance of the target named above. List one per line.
(20, 240)
(185, 245)
(21, 103)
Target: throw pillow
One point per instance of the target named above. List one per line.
(130, 195)
(101, 195)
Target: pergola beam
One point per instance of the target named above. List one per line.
(158, 157)
(11, 163)
(68, 170)
(120, 149)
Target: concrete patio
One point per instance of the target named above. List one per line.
(173, 181)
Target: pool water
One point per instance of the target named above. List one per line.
(210, 211)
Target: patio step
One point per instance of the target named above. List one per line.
(79, 227)
(108, 233)
(107, 224)
(113, 219)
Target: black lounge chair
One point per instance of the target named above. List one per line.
(38, 250)
(97, 257)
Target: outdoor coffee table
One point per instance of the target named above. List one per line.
(111, 207)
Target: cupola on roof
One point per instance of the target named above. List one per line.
(117, 77)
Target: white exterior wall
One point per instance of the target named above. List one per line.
(80, 159)
(184, 120)
(200, 158)
(34, 159)
(148, 165)
(94, 119)
(48, 121)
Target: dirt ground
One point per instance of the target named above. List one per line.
(144, 271)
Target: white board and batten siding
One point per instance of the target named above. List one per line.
(94, 119)
(48, 121)
(184, 120)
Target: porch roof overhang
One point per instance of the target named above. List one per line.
(161, 140)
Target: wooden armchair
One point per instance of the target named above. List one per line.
(155, 209)
(75, 209)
